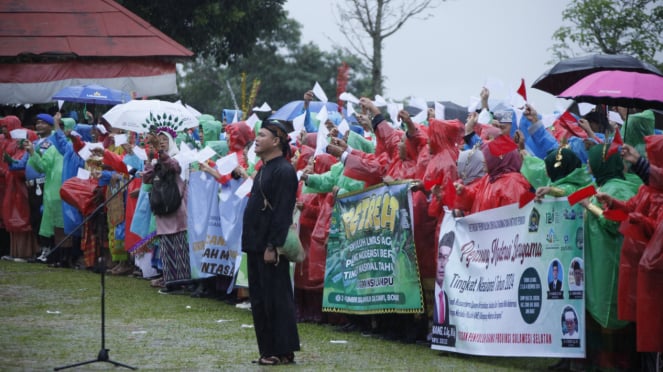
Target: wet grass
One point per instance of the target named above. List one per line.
(51, 317)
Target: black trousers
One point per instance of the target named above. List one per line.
(272, 306)
(35, 201)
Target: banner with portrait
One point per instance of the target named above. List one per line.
(511, 282)
(371, 262)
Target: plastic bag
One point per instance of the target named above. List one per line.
(292, 248)
(81, 194)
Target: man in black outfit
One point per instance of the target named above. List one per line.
(267, 219)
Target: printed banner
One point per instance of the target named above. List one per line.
(371, 263)
(202, 217)
(510, 282)
(215, 225)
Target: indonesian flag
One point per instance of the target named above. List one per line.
(614, 146)
(521, 90)
(583, 193)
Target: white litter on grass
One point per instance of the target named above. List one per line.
(224, 320)
(52, 312)
(247, 326)
(188, 307)
(338, 341)
(244, 305)
(138, 332)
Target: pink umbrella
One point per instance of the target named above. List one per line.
(618, 88)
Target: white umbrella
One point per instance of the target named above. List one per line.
(141, 115)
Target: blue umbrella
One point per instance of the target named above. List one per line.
(92, 94)
(295, 108)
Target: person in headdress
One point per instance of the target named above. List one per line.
(267, 219)
(171, 228)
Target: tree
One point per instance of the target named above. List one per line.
(217, 29)
(611, 27)
(377, 19)
(285, 68)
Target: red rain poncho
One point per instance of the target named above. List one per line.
(238, 135)
(310, 273)
(649, 323)
(371, 168)
(405, 169)
(503, 184)
(13, 192)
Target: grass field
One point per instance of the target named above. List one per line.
(50, 317)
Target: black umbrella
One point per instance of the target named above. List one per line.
(451, 110)
(567, 72)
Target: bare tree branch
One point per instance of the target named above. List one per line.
(376, 20)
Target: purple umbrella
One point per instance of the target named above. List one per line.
(618, 88)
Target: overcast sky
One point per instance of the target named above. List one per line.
(451, 55)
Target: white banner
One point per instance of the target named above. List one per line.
(513, 282)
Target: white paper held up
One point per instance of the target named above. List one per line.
(120, 139)
(227, 163)
(205, 154)
(244, 188)
(317, 90)
(83, 174)
(349, 97)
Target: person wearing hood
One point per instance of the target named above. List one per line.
(310, 273)
(610, 341)
(16, 211)
(640, 275)
(71, 162)
(411, 143)
(211, 128)
(238, 136)
(471, 168)
(371, 168)
(637, 127)
(171, 228)
(34, 181)
(566, 172)
(503, 183)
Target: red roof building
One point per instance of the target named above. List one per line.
(46, 45)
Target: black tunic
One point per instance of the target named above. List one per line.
(272, 301)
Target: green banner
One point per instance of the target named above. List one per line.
(371, 262)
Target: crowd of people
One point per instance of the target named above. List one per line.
(464, 167)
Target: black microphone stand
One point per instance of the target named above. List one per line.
(102, 356)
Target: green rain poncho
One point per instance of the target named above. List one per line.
(570, 175)
(637, 127)
(603, 242)
(211, 129)
(319, 183)
(325, 182)
(357, 141)
(534, 169)
(49, 162)
(220, 147)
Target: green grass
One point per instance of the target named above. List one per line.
(153, 331)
